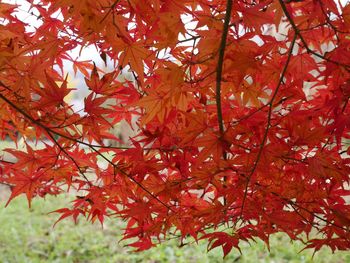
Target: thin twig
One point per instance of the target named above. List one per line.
(48, 130)
(303, 41)
(270, 104)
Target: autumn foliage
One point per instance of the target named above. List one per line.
(239, 110)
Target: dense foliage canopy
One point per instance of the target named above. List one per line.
(239, 111)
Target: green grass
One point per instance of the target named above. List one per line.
(27, 235)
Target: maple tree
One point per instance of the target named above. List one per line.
(239, 108)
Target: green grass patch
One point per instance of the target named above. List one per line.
(27, 235)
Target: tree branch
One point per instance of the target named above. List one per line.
(269, 114)
(49, 131)
(303, 41)
(220, 65)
